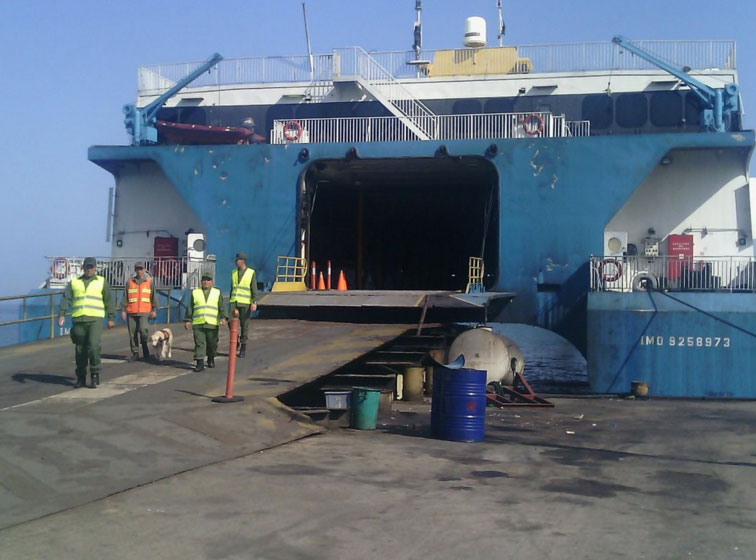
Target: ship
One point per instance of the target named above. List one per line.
(599, 190)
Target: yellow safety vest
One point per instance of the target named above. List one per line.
(205, 312)
(87, 300)
(241, 290)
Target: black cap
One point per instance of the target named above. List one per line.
(241, 257)
(90, 261)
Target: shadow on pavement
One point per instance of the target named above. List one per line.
(48, 378)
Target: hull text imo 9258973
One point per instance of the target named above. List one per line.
(604, 186)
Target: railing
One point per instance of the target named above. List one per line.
(181, 272)
(47, 312)
(574, 57)
(706, 274)
(353, 61)
(450, 127)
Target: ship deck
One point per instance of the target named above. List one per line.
(149, 454)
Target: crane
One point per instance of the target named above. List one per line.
(718, 104)
(140, 121)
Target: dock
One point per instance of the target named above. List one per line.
(147, 466)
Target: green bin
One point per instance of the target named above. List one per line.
(365, 408)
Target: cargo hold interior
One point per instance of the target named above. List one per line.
(401, 223)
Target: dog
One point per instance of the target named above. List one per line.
(162, 341)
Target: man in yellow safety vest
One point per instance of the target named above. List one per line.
(243, 296)
(139, 304)
(204, 312)
(89, 298)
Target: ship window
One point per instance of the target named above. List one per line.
(466, 107)
(666, 108)
(598, 110)
(692, 108)
(632, 110)
(499, 105)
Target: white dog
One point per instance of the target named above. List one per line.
(162, 340)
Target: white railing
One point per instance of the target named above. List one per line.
(181, 272)
(353, 61)
(707, 274)
(576, 57)
(449, 127)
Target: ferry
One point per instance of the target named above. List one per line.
(597, 190)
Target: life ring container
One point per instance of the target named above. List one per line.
(292, 130)
(532, 124)
(60, 268)
(645, 282)
(607, 276)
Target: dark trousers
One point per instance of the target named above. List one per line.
(205, 341)
(86, 336)
(244, 314)
(137, 330)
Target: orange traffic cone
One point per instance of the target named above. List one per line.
(321, 282)
(341, 286)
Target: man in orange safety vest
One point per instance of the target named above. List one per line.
(139, 303)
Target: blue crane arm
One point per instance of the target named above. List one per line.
(140, 121)
(718, 104)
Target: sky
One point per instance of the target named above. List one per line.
(70, 65)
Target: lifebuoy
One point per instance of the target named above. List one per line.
(60, 268)
(292, 130)
(645, 282)
(607, 277)
(532, 124)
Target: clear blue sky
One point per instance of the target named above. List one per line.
(69, 66)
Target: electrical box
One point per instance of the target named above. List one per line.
(615, 243)
(651, 246)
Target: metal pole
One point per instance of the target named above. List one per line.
(307, 36)
(229, 397)
(52, 316)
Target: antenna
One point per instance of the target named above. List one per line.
(502, 27)
(418, 45)
(307, 36)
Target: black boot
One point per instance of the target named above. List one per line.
(200, 365)
(211, 361)
(242, 349)
(95, 380)
(80, 382)
(146, 352)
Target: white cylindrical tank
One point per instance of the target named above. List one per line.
(484, 349)
(475, 32)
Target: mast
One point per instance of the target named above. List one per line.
(307, 36)
(501, 23)
(418, 45)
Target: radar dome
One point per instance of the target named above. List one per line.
(475, 32)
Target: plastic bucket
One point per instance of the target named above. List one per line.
(458, 410)
(365, 408)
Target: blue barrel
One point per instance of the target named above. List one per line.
(458, 410)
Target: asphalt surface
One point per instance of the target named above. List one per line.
(592, 478)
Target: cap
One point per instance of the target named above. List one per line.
(138, 264)
(240, 256)
(249, 122)
(207, 275)
(90, 261)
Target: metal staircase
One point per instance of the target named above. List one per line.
(354, 65)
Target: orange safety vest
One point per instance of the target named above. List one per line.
(139, 297)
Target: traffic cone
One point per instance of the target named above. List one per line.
(341, 286)
(321, 282)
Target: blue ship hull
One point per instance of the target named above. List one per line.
(555, 199)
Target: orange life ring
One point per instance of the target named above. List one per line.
(292, 130)
(617, 270)
(532, 124)
(60, 268)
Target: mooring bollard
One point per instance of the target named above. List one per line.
(229, 397)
